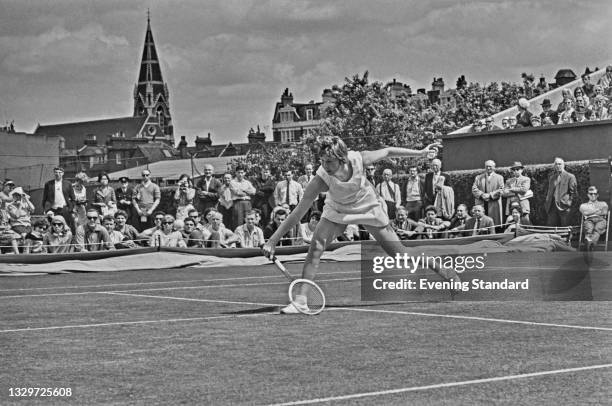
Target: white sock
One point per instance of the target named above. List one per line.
(301, 299)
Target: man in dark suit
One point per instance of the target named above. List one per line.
(207, 190)
(457, 222)
(547, 111)
(58, 197)
(434, 180)
(562, 188)
(479, 223)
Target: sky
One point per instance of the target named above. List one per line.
(226, 62)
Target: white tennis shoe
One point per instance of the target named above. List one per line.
(292, 308)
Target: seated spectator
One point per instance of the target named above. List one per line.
(221, 237)
(505, 123)
(20, 211)
(193, 236)
(547, 112)
(587, 87)
(166, 236)
(58, 239)
(158, 218)
(579, 93)
(479, 223)
(278, 216)
(547, 122)
(129, 232)
(599, 91)
(351, 233)
(606, 81)
(179, 225)
(457, 222)
(536, 121)
(116, 238)
(197, 219)
(249, 235)
(258, 217)
(565, 116)
(34, 240)
(523, 118)
(516, 219)
(566, 94)
(490, 124)
(579, 115)
(208, 216)
(306, 230)
(512, 123)
(432, 225)
(404, 227)
(8, 238)
(600, 111)
(92, 236)
(594, 214)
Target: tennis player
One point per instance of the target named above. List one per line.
(351, 199)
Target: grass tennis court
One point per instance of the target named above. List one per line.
(213, 336)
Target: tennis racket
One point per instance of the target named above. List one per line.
(315, 298)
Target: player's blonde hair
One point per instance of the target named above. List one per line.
(333, 146)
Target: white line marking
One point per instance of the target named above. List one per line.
(176, 288)
(126, 323)
(192, 299)
(451, 316)
(443, 385)
(167, 282)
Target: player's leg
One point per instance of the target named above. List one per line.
(392, 245)
(323, 235)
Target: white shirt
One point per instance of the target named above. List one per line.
(60, 201)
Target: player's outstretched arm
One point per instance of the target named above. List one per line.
(370, 157)
(316, 186)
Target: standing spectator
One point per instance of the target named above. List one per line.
(415, 188)
(80, 194)
(130, 234)
(207, 190)
(304, 180)
(458, 221)
(125, 200)
(390, 192)
(92, 236)
(434, 181)
(518, 190)
(606, 81)
(20, 212)
(505, 123)
(523, 118)
(560, 195)
(432, 225)
(166, 236)
(5, 199)
(264, 185)
(278, 216)
(146, 200)
(58, 240)
(370, 173)
(594, 213)
(249, 235)
(225, 201)
(487, 190)
(479, 223)
(8, 238)
(184, 195)
(58, 196)
(288, 192)
(548, 112)
(104, 196)
(404, 227)
(34, 239)
(587, 87)
(242, 190)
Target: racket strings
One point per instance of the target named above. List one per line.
(311, 294)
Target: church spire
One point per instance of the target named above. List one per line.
(151, 98)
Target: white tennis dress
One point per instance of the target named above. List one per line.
(354, 201)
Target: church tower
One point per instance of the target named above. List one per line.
(151, 97)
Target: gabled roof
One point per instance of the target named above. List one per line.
(76, 133)
(565, 73)
(155, 151)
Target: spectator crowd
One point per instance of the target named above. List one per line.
(237, 211)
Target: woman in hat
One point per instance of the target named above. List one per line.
(80, 203)
(20, 212)
(548, 112)
(351, 199)
(58, 240)
(523, 118)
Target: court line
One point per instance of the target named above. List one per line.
(443, 385)
(127, 323)
(175, 288)
(452, 316)
(189, 299)
(168, 282)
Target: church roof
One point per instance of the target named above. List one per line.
(150, 71)
(76, 133)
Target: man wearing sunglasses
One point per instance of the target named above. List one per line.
(146, 200)
(92, 236)
(595, 214)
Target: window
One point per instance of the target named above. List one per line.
(287, 136)
(309, 114)
(118, 158)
